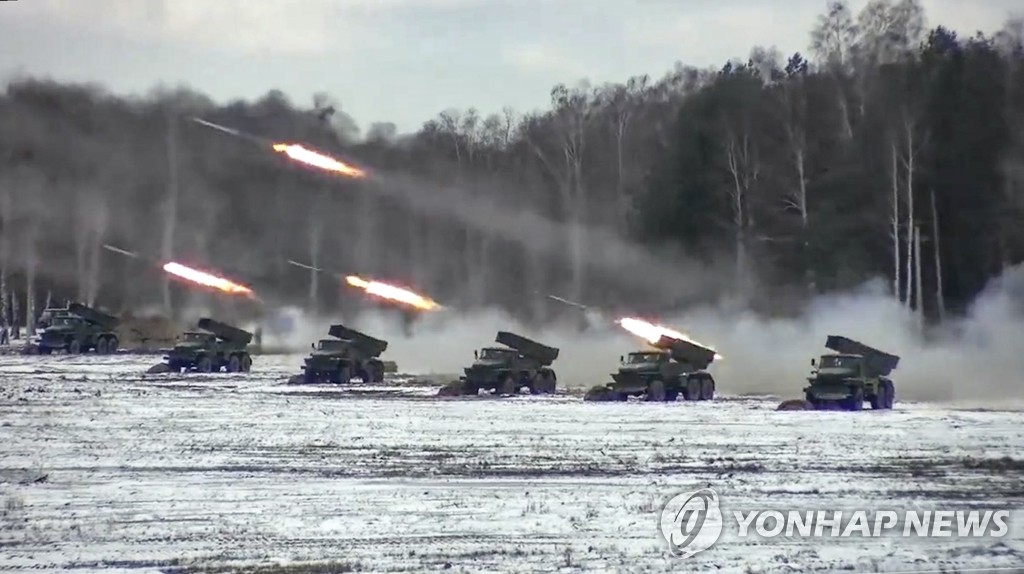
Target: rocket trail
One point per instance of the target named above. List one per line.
(133, 255)
(310, 267)
(232, 131)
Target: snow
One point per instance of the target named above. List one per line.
(104, 467)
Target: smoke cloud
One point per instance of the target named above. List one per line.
(976, 360)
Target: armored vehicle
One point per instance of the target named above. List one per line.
(851, 375)
(350, 354)
(213, 347)
(674, 367)
(78, 329)
(506, 370)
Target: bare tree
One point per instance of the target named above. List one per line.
(170, 206)
(895, 223)
(939, 297)
(744, 170)
(573, 115)
(834, 42)
(919, 297)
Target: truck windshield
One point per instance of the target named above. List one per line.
(64, 321)
(635, 358)
(838, 362)
(193, 337)
(495, 354)
(329, 345)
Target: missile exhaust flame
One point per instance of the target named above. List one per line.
(652, 332)
(207, 279)
(392, 293)
(318, 160)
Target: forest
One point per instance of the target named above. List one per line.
(890, 148)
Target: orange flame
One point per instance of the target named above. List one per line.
(652, 332)
(392, 293)
(316, 159)
(203, 278)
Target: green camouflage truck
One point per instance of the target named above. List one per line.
(672, 368)
(852, 374)
(213, 347)
(78, 329)
(349, 355)
(521, 363)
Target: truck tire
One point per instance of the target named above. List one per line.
(341, 376)
(101, 346)
(204, 364)
(452, 389)
(877, 400)
(246, 363)
(112, 344)
(656, 391)
(890, 395)
(707, 389)
(508, 386)
(310, 377)
(692, 389)
(234, 364)
(542, 384)
(74, 347)
(598, 394)
(855, 401)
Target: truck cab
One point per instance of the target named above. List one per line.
(853, 374)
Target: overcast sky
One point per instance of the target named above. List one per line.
(406, 60)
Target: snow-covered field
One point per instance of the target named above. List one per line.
(103, 467)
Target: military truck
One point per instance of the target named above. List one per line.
(213, 347)
(350, 354)
(673, 367)
(507, 370)
(78, 329)
(851, 375)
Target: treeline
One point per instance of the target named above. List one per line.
(890, 149)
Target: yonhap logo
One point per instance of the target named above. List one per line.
(691, 522)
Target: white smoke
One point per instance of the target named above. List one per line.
(978, 358)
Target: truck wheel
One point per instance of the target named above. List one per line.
(508, 386)
(855, 401)
(692, 389)
(309, 377)
(112, 345)
(45, 350)
(234, 364)
(707, 389)
(890, 395)
(656, 391)
(341, 376)
(205, 365)
(246, 363)
(542, 384)
(452, 389)
(877, 400)
(101, 346)
(598, 394)
(74, 347)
